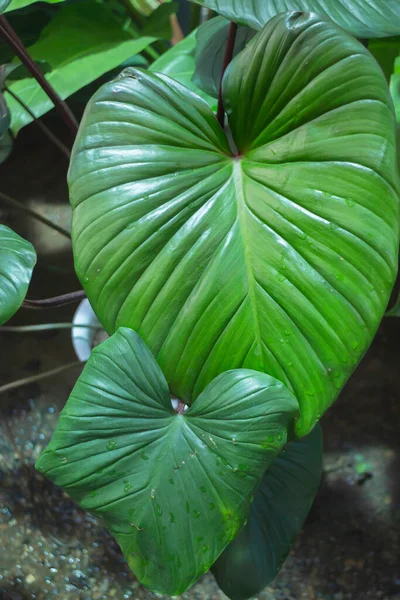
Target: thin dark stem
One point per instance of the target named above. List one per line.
(21, 206)
(11, 38)
(230, 45)
(20, 382)
(56, 301)
(39, 123)
(45, 327)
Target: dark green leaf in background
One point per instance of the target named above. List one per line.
(361, 18)
(173, 489)
(5, 120)
(16, 71)
(385, 51)
(81, 43)
(179, 63)
(158, 24)
(281, 259)
(17, 259)
(6, 144)
(280, 506)
(211, 40)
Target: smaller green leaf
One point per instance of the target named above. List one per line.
(280, 506)
(179, 64)
(158, 24)
(174, 489)
(17, 259)
(211, 40)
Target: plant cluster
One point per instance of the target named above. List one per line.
(235, 227)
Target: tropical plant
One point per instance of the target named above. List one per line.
(236, 231)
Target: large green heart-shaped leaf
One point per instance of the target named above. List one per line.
(281, 258)
(363, 19)
(17, 259)
(280, 506)
(173, 488)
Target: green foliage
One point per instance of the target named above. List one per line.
(17, 4)
(28, 23)
(395, 310)
(6, 140)
(173, 489)
(158, 23)
(82, 42)
(16, 71)
(365, 19)
(242, 268)
(280, 259)
(395, 86)
(3, 5)
(277, 513)
(179, 63)
(17, 259)
(146, 7)
(211, 38)
(385, 51)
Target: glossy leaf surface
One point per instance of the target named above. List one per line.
(211, 39)
(80, 44)
(280, 506)
(17, 259)
(173, 489)
(280, 259)
(363, 19)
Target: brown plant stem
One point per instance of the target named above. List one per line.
(21, 206)
(12, 39)
(55, 302)
(230, 45)
(39, 123)
(20, 382)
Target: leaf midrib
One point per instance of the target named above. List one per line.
(237, 176)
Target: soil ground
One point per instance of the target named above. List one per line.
(49, 548)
